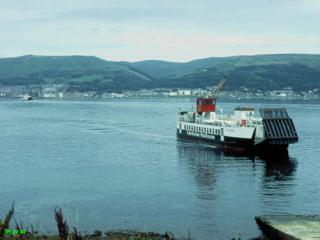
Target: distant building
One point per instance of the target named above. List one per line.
(172, 94)
(49, 95)
(116, 95)
(49, 92)
(184, 92)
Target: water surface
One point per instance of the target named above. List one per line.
(117, 165)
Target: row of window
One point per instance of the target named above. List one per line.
(202, 129)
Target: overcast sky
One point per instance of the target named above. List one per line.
(175, 30)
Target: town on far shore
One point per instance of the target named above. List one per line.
(63, 91)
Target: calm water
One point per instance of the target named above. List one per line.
(118, 165)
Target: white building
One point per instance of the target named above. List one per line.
(184, 92)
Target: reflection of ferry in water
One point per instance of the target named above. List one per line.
(243, 131)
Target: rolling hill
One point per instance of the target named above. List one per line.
(265, 72)
(160, 69)
(87, 73)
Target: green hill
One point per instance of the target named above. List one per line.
(162, 69)
(84, 73)
(264, 77)
(265, 72)
(157, 69)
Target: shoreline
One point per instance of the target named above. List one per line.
(191, 98)
(65, 232)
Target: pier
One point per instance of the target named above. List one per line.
(290, 227)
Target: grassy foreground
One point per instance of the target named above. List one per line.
(65, 233)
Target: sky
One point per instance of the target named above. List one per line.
(172, 30)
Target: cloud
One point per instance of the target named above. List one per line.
(166, 29)
(117, 14)
(42, 12)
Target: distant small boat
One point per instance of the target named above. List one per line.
(26, 98)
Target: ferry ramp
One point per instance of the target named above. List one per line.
(278, 126)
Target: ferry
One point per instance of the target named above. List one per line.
(243, 131)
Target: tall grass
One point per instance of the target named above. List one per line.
(62, 225)
(6, 222)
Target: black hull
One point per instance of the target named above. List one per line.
(236, 144)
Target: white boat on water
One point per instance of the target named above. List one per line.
(242, 131)
(26, 97)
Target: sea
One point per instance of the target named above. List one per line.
(117, 164)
